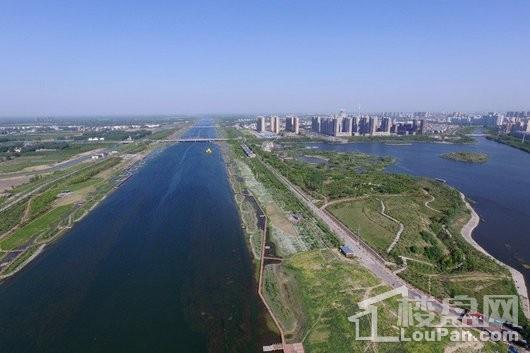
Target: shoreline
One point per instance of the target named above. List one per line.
(258, 260)
(518, 278)
(132, 168)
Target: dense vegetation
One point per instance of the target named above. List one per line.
(285, 198)
(32, 147)
(440, 261)
(511, 141)
(468, 157)
(344, 175)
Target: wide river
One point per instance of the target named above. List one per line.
(500, 189)
(160, 266)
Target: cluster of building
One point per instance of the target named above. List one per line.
(515, 123)
(96, 139)
(273, 124)
(345, 125)
(103, 154)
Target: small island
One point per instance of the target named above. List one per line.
(468, 157)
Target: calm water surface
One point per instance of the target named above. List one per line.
(499, 188)
(160, 266)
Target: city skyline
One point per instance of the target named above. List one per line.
(241, 57)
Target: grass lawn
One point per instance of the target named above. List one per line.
(330, 288)
(363, 217)
(11, 217)
(31, 159)
(47, 221)
(449, 273)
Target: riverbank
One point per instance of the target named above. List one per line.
(518, 278)
(254, 224)
(113, 179)
(510, 141)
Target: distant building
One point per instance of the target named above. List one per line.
(260, 124)
(499, 120)
(355, 125)
(347, 125)
(372, 125)
(414, 125)
(315, 124)
(386, 124)
(326, 126)
(337, 126)
(292, 124)
(275, 124)
(331, 126)
(421, 127)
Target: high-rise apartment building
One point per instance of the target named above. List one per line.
(260, 124)
(347, 126)
(363, 125)
(337, 126)
(292, 124)
(315, 124)
(421, 127)
(355, 125)
(372, 127)
(275, 124)
(385, 126)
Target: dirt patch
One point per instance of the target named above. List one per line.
(77, 196)
(8, 183)
(278, 219)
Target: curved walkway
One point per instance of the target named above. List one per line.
(401, 227)
(429, 201)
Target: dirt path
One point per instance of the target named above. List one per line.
(346, 199)
(400, 230)
(329, 203)
(25, 216)
(429, 201)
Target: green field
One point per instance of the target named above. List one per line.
(12, 216)
(46, 222)
(319, 287)
(32, 159)
(364, 218)
(439, 261)
(330, 288)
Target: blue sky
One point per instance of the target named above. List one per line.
(165, 57)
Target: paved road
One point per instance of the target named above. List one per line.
(365, 255)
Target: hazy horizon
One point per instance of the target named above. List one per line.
(214, 115)
(217, 57)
